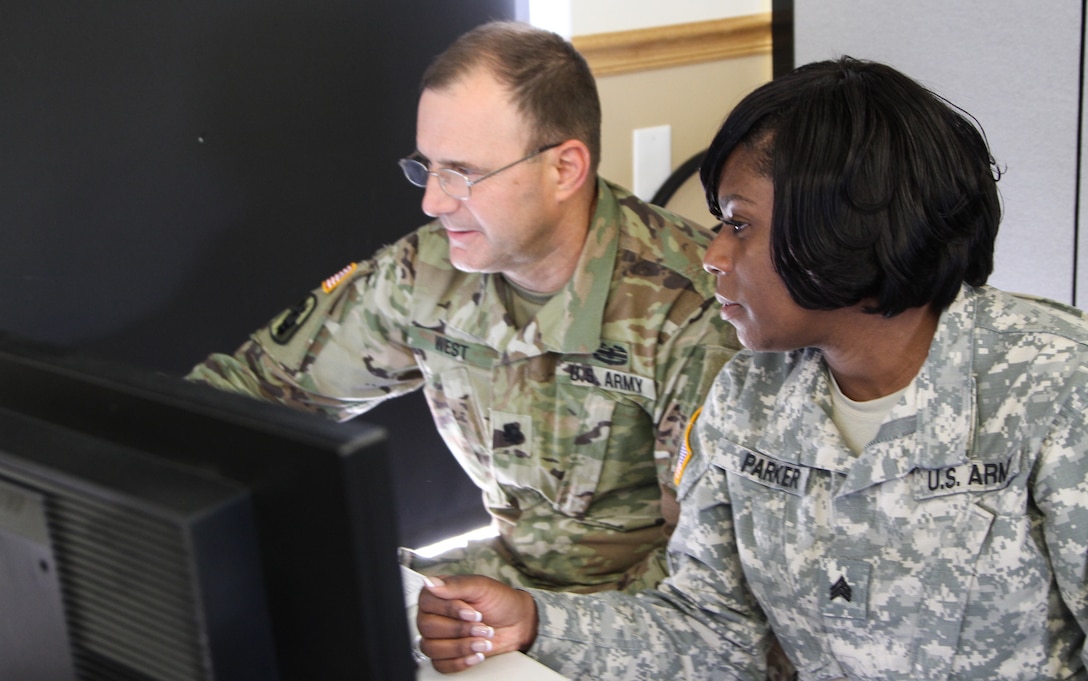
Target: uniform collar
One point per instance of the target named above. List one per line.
(571, 321)
(945, 395)
(933, 431)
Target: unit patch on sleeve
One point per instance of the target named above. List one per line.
(290, 320)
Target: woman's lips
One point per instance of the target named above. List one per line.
(729, 308)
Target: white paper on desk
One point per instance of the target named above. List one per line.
(413, 582)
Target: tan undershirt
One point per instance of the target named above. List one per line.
(859, 422)
(522, 304)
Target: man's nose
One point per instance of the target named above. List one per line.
(436, 201)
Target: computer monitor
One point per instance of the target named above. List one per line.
(154, 529)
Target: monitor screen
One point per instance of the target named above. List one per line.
(152, 528)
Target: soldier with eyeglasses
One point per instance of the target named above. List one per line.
(562, 330)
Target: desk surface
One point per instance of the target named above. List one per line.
(499, 668)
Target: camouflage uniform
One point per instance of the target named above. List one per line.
(953, 546)
(568, 425)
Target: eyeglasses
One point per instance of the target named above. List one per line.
(452, 182)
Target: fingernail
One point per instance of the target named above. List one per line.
(482, 646)
(481, 630)
(470, 616)
(433, 581)
(474, 659)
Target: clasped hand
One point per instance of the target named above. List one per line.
(463, 619)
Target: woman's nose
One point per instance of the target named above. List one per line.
(718, 259)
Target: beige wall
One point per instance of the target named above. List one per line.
(692, 99)
(685, 76)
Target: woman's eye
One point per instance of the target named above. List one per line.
(736, 226)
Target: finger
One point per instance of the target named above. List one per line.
(440, 626)
(457, 665)
(464, 651)
(467, 588)
(479, 639)
(447, 606)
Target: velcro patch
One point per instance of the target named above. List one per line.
(846, 589)
(284, 326)
(770, 472)
(607, 379)
(974, 476)
(452, 348)
(613, 353)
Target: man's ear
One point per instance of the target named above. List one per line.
(574, 164)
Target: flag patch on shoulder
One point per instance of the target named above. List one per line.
(685, 450)
(332, 282)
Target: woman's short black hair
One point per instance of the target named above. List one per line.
(884, 192)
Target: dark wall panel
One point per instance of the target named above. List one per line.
(173, 174)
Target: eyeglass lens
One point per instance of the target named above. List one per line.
(452, 182)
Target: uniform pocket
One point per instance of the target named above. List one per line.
(579, 487)
(457, 416)
(560, 455)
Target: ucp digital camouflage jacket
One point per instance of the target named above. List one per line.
(954, 546)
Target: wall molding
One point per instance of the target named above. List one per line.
(676, 44)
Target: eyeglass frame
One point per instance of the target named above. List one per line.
(405, 163)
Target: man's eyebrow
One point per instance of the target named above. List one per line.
(441, 163)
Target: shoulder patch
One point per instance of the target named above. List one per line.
(284, 326)
(684, 456)
(335, 280)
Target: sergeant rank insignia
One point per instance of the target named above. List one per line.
(841, 589)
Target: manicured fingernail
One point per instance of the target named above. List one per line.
(433, 581)
(482, 646)
(474, 659)
(482, 631)
(470, 616)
